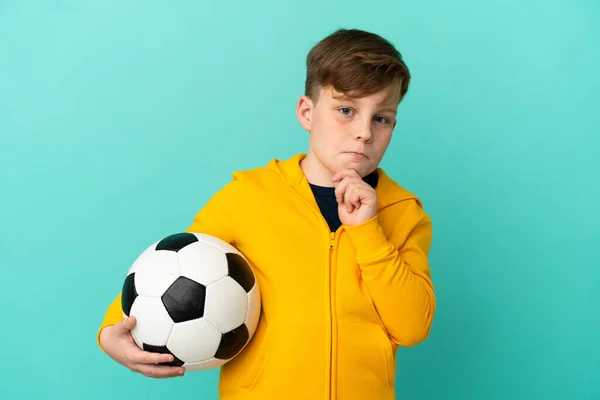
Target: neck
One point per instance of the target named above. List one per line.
(315, 172)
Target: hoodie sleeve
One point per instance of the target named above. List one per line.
(216, 218)
(396, 270)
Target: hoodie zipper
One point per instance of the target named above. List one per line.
(332, 243)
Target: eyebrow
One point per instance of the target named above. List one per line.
(390, 110)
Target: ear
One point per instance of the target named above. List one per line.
(304, 112)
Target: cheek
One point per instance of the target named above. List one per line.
(382, 142)
(331, 132)
(334, 125)
(384, 138)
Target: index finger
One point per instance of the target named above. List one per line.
(344, 173)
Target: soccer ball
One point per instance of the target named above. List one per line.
(194, 296)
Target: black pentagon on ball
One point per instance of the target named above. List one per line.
(232, 342)
(176, 241)
(163, 350)
(128, 293)
(240, 271)
(184, 299)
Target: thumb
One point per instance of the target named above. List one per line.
(126, 324)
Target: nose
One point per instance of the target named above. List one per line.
(363, 133)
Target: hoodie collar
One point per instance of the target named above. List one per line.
(388, 191)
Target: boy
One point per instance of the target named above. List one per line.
(339, 249)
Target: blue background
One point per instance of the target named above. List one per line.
(119, 119)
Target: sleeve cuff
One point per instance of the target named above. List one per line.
(369, 240)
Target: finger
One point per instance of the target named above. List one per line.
(123, 327)
(126, 325)
(343, 187)
(348, 198)
(137, 356)
(340, 190)
(338, 176)
(355, 198)
(159, 371)
(345, 184)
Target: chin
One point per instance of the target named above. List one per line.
(361, 169)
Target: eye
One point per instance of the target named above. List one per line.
(382, 120)
(345, 110)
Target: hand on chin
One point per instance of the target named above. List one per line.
(357, 200)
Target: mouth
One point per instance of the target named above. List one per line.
(357, 154)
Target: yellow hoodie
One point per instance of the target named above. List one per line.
(335, 306)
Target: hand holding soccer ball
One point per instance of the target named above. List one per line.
(119, 345)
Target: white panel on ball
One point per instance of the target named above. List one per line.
(254, 308)
(201, 366)
(136, 339)
(155, 271)
(194, 341)
(153, 323)
(202, 262)
(218, 243)
(226, 304)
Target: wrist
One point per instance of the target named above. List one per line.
(368, 239)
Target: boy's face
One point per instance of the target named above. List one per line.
(346, 133)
